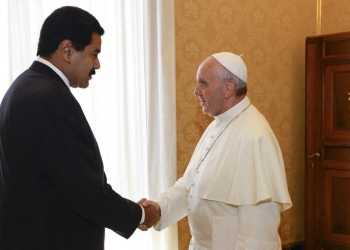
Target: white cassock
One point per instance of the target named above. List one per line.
(234, 187)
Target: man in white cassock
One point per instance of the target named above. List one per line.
(234, 187)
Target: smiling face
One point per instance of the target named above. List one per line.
(83, 63)
(210, 89)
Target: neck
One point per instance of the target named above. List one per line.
(54, 60)
(233, 101)
(237, 100)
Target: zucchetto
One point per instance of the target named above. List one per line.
(233, 63)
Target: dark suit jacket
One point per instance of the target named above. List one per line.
(53, 191)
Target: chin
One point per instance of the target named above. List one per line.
(84, 85)
(207, 112)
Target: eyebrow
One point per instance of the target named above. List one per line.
(97, 50)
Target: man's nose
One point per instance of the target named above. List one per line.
(97, 64)
(196, 91)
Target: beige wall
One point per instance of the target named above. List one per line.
(271, 36)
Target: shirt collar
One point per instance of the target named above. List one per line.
(233, 112)
(54, 68)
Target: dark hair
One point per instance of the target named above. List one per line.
(72, 23)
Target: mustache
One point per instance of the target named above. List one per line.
(92, 72)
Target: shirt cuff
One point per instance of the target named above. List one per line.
(143, 215)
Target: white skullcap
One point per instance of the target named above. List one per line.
(233, 63)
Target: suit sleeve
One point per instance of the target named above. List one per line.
(74, 166)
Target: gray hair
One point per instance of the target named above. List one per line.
(224, 74)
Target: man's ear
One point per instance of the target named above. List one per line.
(66, 50)
(230, 88)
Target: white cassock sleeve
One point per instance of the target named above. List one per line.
(173, 205)
(258, 226)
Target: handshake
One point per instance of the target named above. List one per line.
(152, 213)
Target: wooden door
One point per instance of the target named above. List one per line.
(328, 142)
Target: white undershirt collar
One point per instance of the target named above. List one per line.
(54, 68)
(232, 112)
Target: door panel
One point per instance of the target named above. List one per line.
(337, 206)
(328, 142)
(337, 101)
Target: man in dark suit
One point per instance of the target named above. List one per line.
(53, 190)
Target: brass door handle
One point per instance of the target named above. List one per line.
(313, 155)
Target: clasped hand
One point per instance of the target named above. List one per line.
(152, 213)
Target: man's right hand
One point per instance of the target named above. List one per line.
(152, 213)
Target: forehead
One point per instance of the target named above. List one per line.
(95, 44)
(207, 68)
